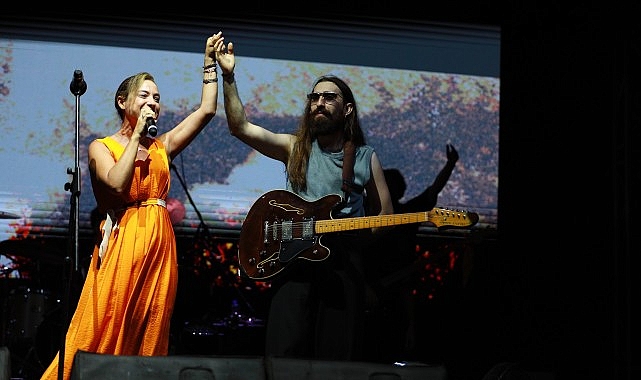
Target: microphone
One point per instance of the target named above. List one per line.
(151, 127)
(78, 86)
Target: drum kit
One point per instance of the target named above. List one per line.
(30, 302)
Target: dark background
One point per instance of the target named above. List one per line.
(555, 289)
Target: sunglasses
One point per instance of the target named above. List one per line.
(328, 96)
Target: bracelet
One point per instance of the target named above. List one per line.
(228, 77)
(211, 69)
(207, 81)
(211, 66)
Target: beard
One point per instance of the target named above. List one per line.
(323, 124)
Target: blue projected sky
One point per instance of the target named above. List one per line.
(408, 117)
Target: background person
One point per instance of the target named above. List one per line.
(391, 266)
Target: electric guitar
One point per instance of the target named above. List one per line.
(281, 227)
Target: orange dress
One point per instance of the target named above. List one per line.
(127, 299)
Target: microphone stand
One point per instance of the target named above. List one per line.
(191, 201)
(77, 87)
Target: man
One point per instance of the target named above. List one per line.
(317, 308)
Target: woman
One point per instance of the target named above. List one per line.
(127, 300)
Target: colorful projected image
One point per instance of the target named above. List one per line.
(409, 117)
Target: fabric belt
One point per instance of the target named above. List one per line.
(148, 202)
(111, 224)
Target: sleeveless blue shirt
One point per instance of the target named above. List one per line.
(325, 176)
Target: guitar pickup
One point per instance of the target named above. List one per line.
(280, 231)
(308, 229)
(286, 231)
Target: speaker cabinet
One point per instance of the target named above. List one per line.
(288, 369)
(5, 363)
(90, 366)
(108, 367)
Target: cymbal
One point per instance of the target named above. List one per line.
(8, 215)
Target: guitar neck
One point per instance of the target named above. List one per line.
(359, 223)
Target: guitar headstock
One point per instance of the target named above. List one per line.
(444, 218)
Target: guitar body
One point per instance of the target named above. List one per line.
(278, 229)
(281, 228)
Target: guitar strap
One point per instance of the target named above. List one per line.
(349, 157)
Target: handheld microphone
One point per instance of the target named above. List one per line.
(78, 86)
(151, 127)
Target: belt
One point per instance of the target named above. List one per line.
(111, 224)
(148, 202)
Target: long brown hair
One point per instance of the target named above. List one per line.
(298, 159)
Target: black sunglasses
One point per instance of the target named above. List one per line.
(328, 96)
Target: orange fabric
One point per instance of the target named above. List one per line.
(127, 300)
